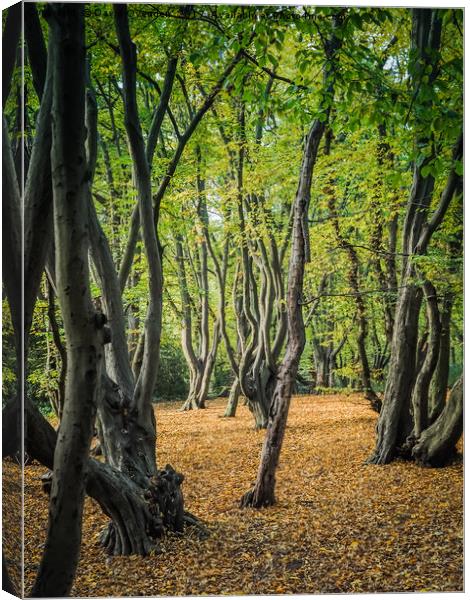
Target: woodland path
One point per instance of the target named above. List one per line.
(339, 526)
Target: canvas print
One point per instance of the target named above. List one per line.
(232, 336)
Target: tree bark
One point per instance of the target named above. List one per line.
(263, 492)
(84, 332)
(232, 403)
(10, 39)
(440, 380)
(439, 383)
(436, 445)
(141, 403)
(394, 424)
(201, 362)
(136, 522)
(419, 399)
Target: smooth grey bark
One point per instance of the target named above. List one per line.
(125, 448)
(11, 205)
(11, 270)
(141, 403)
(11, 235)
(439, 383)
(117, 357)
(436, 444)
(84, 332)
(38, 203)
(60, 392)
(153, 135)
(234, 396)
(419, 398)
(36, 47)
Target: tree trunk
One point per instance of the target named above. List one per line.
(10, 38)
(136, 520)
(322, 366)
(436, 445)
(262, 493)
(84, 331)
(141, 408)
(437, 398)
(232, 403)
(258, 387)
(394, 424)
(441, 375)
(201, 364)
(419, 400)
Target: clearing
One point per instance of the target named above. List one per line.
(339, 525)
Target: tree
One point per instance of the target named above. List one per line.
(263, 492)
(394, 423)
(83, 326)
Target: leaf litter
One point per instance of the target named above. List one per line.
(339, 525)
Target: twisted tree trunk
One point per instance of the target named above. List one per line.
(394, 424)
(436, 445)
(262, 493)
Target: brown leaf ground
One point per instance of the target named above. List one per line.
(339, 525)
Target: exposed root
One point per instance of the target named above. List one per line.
(253, 499)
(192, 521)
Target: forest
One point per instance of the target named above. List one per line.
(232, 338)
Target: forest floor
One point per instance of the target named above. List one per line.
(339, 525)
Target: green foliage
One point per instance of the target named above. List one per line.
(375, 105)
(172, 383)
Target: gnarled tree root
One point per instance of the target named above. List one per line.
(136, 521)
(255, 499)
